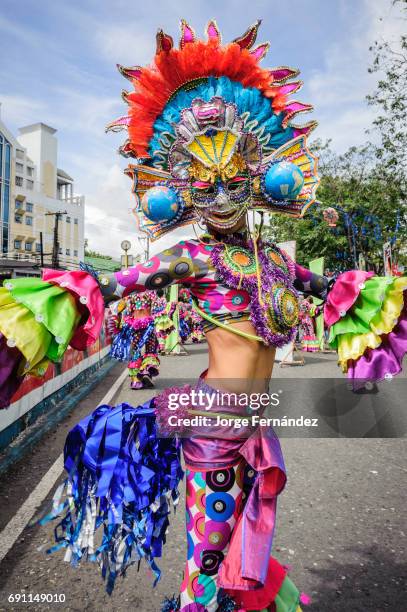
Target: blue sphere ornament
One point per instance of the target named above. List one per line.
(160, 204)
(283, 181)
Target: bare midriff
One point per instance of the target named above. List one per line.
(237, 363)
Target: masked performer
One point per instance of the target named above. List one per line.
(136, 340)
(307, 328)
(191, 324)
(162, 311)
(197, 333)
(142, 321)
(213, 136)
(185, 318)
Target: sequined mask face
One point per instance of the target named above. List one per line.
(221, 194)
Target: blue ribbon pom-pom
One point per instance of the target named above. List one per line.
(122, 480)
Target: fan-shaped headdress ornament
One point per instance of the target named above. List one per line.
(205, 116)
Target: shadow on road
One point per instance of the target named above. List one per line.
(379, 413)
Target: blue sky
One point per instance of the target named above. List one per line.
(58, 66)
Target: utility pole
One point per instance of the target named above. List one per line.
(41, 250)
(55, 246)
(145, 242)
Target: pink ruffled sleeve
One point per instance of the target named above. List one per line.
(89, 299)
(344, 294)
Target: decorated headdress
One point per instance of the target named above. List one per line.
(206, 113)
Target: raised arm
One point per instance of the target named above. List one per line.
(310, 283)
(171, 266)
(40, 318)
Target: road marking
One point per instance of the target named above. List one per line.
(17, 524)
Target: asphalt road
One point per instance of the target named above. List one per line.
(341, 521)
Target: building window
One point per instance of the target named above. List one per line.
(30, 171)
(38, 247)
(75, 221)
(19, 168)
(29, 207)
(68, 219)
(29, 184)
(18, 205)
(19, 154)
(19, 181)
(68, 251)
(17, 244)
(75, 253)
(17, 218)
(28, 246)
(60, 251)
(28, 220)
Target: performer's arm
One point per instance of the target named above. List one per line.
(39, 318)
(310, 283)
(171, 266)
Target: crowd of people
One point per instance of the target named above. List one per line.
(142, 324)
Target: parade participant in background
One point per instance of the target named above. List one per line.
(213, 137)
(197, 332)
(162, 312)
(191, 324)
(185, 318)
(307, 314)
(142, 321)
(136, 340)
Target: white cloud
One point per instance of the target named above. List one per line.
(338, 89)
(83, 111)
(109, 218)
(108, 215)
(127, 43)
(20, 109)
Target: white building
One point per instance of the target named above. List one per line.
(33, 190)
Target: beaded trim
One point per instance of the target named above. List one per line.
(273, 311)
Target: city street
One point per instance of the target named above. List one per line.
(341, 521)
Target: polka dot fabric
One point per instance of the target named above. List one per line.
(189, 263)
(213, 502)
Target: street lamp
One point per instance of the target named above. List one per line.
(126, 246)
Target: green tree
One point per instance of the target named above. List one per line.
(390, 125)
(367, 185)
(370, 208)
(90, 253)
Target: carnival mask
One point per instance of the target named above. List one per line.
(220, 194)
(211, 133)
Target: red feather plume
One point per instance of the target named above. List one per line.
(174, 68)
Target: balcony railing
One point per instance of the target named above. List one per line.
(22, 255)
(76, 200)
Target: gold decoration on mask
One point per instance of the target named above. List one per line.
(256, 184)
(225, 172)
(186, 196)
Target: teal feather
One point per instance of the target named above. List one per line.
(247, 100)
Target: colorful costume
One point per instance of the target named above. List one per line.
(142, 321)
(190, 323)
(212, 135)
(307, 328)
(162, 312)
(197, 332)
